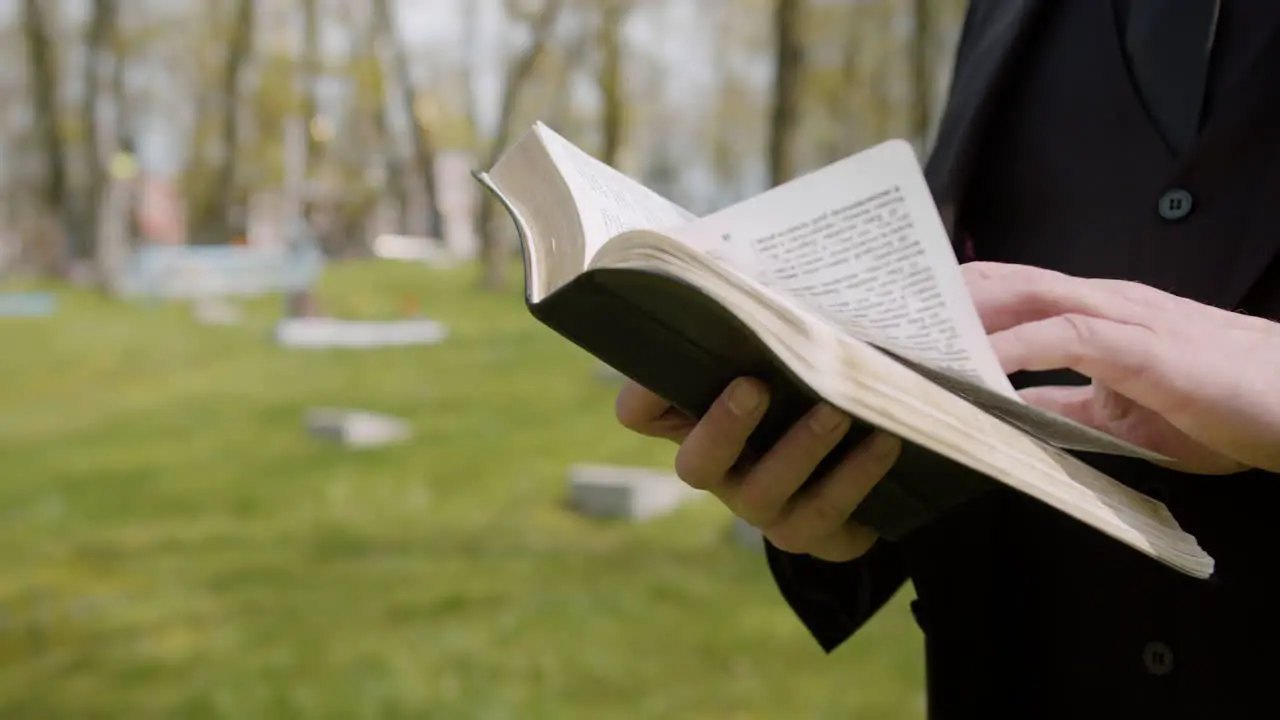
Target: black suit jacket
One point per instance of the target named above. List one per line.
(984, 608)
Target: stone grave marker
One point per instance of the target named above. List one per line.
(27, 304)
(190, 271)
(410, 248)
(321, 333)
(632, 493)
(357, 429)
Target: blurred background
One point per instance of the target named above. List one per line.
(278, 437)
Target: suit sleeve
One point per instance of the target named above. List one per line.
(834, 599)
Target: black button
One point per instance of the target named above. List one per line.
(1158, 658)
(1175, 204)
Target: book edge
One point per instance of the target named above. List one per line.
(533, 291)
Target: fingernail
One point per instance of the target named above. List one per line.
(744, 397)
(826, 419)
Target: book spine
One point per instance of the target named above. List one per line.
(687, 350)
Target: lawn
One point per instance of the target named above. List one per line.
(174, 545)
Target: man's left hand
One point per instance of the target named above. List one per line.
(1192, 382)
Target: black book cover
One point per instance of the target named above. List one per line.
(669, 337)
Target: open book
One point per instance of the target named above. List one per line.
(840, 285)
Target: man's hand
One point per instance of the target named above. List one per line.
(1192, 382)
(768, 494)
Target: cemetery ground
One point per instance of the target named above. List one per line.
(174, 544)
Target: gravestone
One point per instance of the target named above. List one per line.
(632, 493)
(321, 333)
(191, 271)
(27, 304)
(356, 429)
(408, 248)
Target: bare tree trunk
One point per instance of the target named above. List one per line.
(474, 56)
(922, 79)
(99, 45)
(310, 75)
(214, 215)
(493, 251)
(424, 152)
(395, 182)
(198, 188)
(121, 125)
(613, 15)
(789, 50)
(43, 82)
(120, 101)
(559, 63)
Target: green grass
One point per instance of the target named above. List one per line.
(174, 545)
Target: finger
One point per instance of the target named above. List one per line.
(1112, 353)
(643, 412)
(984, 270)
(762, 494)
(1071, 402)
(851, 541)
(1010, 295)
(714, 444)
(1180, 309)
(1088, 405)
(820, 510)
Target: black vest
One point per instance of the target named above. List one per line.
(1026, 613)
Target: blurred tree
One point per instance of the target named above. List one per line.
(613, 120)
(787, 89)
(100, 53)
(553, 94)
(735, 121)
(370, 98)
(540, 20)
(211, 216)
(420, 110)
(473, 56)
(922, 64)
(310, 71)
(44, 88)
(730, 96)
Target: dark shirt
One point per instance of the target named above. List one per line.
(1025, 612)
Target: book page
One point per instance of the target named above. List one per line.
(609, 201)
(860, 243)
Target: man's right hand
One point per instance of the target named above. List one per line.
(772, 493)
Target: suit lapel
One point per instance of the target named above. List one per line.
(994, 31)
